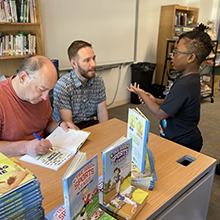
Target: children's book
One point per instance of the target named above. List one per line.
(80, 189)
(60, 214)
(2, 12)
(21, 206)
(71, 140)
(65, 145)
(12, 176)
(53, 159)
(119, 195)
(138, 130)
(124, 207)
(147, 179)
(7, 205)
(116, 162)
(33, 186)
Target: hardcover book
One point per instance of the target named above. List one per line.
(80, 189)
(65, 145)
(21, 193)
(2, 12)
(19, 207)
(116, 162)
(126, 205)
(53, 159)
(147, 179)
(60, 214)
(119, 196)
(138, 130)
(12, 176)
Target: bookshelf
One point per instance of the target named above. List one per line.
(10, 64)
(166, 31)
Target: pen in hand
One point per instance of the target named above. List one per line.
(39, 138)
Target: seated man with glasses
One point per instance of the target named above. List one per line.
(179, 112)
(25, 108)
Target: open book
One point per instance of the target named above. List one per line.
(65, 145)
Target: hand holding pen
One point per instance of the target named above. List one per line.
(38, 146)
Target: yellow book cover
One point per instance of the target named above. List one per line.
(128, 203)
(12, 175)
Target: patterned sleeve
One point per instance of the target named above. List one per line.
(102, 94)
(62, 94)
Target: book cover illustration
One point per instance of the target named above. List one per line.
(125, 205)
(128, 202)
(138, 130)
(116, 161)
(60, 214)
(81, 197)
(147, 179)
(12, 176)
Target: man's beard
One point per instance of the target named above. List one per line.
(86, 74)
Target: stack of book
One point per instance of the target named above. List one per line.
(20, 194)
(18, 11)
(120, 198)
(147, 179)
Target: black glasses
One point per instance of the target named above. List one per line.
(176, 51)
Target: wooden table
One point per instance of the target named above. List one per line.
(179, 190)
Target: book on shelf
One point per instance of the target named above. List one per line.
(80, 189)
(18, 9)
(146, 180)
(7, 11)
(31, 11)
(138, 130)
(65, 145)
(28, 11)
(35, 12)
(14, 8)
(2, 12)
(120, 198)
(25, 11)
(11, 10)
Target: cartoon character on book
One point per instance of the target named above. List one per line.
(86, 198)
(140, 129)
(117, 179)
(96, 215)
(132, 121)
(82, 216)
(15, 178)
(126, 199)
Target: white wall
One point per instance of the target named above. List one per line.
(147, 35)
